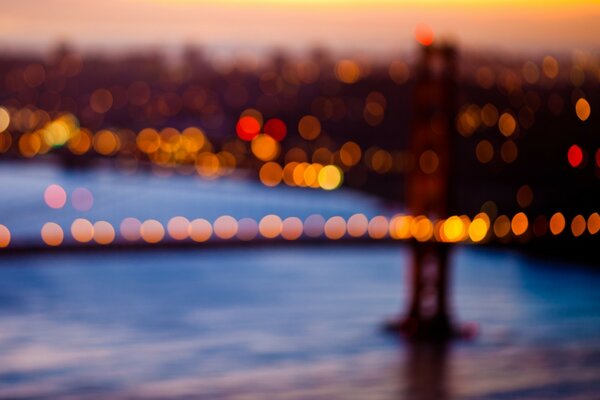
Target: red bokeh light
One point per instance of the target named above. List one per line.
(276, 129)
(247, 128)
(424, 34)
(575, 156)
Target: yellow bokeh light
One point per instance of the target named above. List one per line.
(453, 229)
(479, 227)
(400, 227)
(4, 119)
(330, 177)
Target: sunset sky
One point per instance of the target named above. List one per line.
(375, 25)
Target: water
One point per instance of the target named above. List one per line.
(272, 322)
(287, 321)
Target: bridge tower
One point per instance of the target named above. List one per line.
(428, 192)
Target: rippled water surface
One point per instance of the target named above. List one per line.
(298, 322)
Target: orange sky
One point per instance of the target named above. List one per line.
(376, 25)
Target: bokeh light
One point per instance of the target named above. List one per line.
(335, 228)
(4, 119)
(200, 230)
(479, 227)
(82, 199)
(583, 109)
(152, 231)
(557, 223)
(378, 227)
(357, 225)
(453, 229)
(270, 174)
(314, 225)
(178, 228)
(276, 128)
(519, 224)
(502, 226)
(578, 225)
(104, 233)
(247, 229)
(130, 229)
(330, 177)
(248, 127)
(52, 234)
(270, 226)
(575, 156)
(55, 196)
(4, 236)
(424, 34)
(291, 228)
(309, 127)
(593, 223)
(82, 230)
(264, 147)
(225, 227)
(400, 227)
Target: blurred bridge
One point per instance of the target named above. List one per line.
(124, 214)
